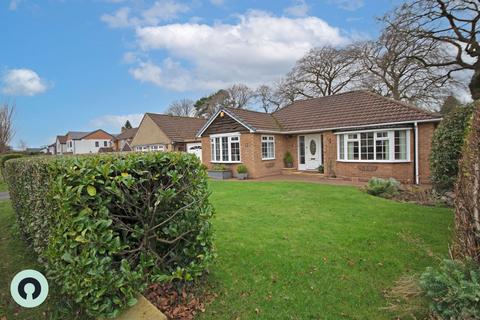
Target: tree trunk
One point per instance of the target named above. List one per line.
(474, 84)
(467, 202)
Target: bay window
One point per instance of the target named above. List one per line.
(225, 148)
(268, 147)
(371, 145)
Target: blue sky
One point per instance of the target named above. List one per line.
(82, 65)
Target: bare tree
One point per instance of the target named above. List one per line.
(22, 145)
(323, 72)
(269, 99)
(6, 126)
(453, 23)
(392, 72)
(183, 108)
(240, 96)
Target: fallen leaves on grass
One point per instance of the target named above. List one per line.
(179, 301)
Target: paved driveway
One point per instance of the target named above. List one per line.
(4, 196)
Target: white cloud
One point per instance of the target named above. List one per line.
(163, 10)
(349, 5)
(258, 49)
(113, 123)
(23, 82)
(299, 9)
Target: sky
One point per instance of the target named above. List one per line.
(83, 65)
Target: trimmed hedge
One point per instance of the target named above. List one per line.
(8, 156)
(107, 225)
(447, 147)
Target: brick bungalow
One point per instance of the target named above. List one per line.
(355, 135)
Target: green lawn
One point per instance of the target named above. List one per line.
(3, 185)
(292, 251)
(310, 251)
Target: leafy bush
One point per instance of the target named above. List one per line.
(106, 225)
(454, 290)
(8, 156)
(219, 167)
(241, 168)
(386, 188)
(447, 148)
(288, 159)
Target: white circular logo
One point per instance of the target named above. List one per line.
(29, 288)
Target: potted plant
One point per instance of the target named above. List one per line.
(321, 169)
(220, 171)
(242, 172)
(288, 160)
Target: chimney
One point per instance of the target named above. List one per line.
(123, 129)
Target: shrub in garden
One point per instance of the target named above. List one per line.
(219, 167)
(386, 188)
(288, 159)
(107, 225)
(241, 168)
(447, 147)
(453, 291)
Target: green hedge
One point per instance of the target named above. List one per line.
(107, 225)
(447, 147)
(8, 156)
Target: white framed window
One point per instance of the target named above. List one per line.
(97, 144)
(225, 148)
(105, 143)
(392, 145)
(268, 147)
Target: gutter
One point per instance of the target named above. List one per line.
(417, 176)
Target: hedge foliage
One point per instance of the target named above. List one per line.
(107, 225)
(8, 156)
(447, 147)
(453, 290)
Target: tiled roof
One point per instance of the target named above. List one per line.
(350, 109)
(77, 135)
(255, 120)
(344, 110)
(178, 129)
(127, 134)
(62, 139)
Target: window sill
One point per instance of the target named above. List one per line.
(227, 162)
(267, 159)
(375, 161)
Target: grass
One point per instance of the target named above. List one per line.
(310, 251)
(15, 258)
(291, 251)
(3, 185)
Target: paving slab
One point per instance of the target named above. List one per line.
(4, 196)
(143, 310)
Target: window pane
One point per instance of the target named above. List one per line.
(367, 146)
(352, 150)
(235, 151)
(301, 141)
(342, 147)
(382, 149)
(224, 148)
(401, 145)
(217, 149)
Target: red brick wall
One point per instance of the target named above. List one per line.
(250, 153)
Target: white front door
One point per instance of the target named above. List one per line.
(195, 148)
(309, 151)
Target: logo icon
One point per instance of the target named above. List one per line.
(29, 288)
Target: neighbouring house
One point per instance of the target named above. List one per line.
(124, 139)
(87, 142)
(355, 135)
(52, 149)
(159, 132)
(61, 145)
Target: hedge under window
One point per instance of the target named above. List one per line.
(225, 149)
(385, 145)
(268, 147)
